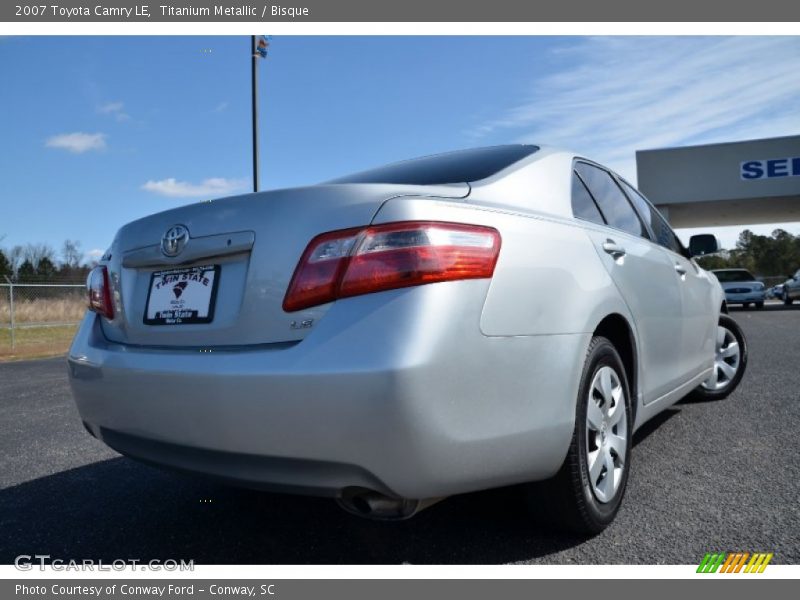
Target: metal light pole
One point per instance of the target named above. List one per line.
(254, 81)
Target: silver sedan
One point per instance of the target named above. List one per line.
(482, 318)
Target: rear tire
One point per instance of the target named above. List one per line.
(746, 305)
(786, 299)
(759, 305)
(730, 362)
(586, 493)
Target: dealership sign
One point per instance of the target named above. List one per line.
(770, 169)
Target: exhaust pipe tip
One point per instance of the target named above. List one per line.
(377, 506)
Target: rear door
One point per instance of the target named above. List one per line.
(699, 315)
(645, 277)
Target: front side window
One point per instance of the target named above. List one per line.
(662, 231)
(614, 205)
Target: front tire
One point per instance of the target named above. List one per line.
(730, 362)
(586, 494)
(786, 299)
(759, 305)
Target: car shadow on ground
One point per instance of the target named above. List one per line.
(118, 508)
(653, 424)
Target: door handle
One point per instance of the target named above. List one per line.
(680, 269)
(614, 249)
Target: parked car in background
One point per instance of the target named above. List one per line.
(476, 319)
(741, 287)
(791, 288)
(775, 292)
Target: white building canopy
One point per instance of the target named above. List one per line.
(736, 183)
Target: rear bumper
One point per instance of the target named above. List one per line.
(290, 475)
(427, 409)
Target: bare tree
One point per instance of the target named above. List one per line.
(71, 253)
(34, 253)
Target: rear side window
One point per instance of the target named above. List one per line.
(452, 167)
(583, 206)
(662, 231)
(614, 205)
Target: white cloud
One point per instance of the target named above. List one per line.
(614, 95)
(77, 142)
(94, 254)
(114, 108)
(110, 107)
(214, 186)
(222, 106)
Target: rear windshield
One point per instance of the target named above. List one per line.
(728, 276)
(452, 167)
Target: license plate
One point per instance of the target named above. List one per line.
(182, 296)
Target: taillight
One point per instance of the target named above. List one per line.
(353, 262)
(99, 290)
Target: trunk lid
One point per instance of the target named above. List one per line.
(249, 247)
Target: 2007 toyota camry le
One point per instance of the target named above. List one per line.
(475, 319)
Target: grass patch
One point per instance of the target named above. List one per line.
(68, 307)
(36, 342)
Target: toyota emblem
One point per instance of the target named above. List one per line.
(174, 240)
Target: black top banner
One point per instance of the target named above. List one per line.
(400, 11)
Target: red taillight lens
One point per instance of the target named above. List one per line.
(99, 290)
(384, 257)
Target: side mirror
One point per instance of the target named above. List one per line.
(702, 244)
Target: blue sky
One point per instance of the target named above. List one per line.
(98, 131)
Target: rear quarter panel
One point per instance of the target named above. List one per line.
(548, 280)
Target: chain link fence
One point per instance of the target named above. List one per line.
(39, 319)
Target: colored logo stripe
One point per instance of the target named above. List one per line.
(758, 563)
(711, 562)
(727, 564)
(740, 563)
(733, 562)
